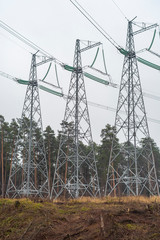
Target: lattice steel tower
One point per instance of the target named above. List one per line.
(28, 173)
(75, 170)
(131, 168)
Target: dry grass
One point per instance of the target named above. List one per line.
(126, 199)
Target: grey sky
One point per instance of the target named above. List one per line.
(54, 25)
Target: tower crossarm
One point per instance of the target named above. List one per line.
(45, 61)
(90, 46)
(50, 59)
(143, 29)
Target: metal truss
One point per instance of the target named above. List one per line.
(28, 173)
(131, 168)
(75, 170)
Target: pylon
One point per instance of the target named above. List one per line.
(75, 170)
(131, 169)
(28, 174)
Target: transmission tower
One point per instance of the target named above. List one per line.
(75, 170)
(28, 173)
(131, 168)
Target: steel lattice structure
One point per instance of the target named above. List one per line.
(28, 173)
(75, 170)
(131, 168)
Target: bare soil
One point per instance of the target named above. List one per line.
(86, 219)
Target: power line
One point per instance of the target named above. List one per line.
(35, 47)
(8, 38)
(93, 104)
(119, 9)
(95, 24)
(27, 41)
(148, 95)
(109, 38)
(90, 103)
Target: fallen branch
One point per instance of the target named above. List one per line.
(21, 238)
(102, 225)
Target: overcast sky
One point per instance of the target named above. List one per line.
(54, 25)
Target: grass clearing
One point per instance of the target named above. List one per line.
(83, 218)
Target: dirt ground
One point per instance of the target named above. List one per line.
(83, 219)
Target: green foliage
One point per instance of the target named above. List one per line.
(8, 136)
(103, 153)
(51, 147)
